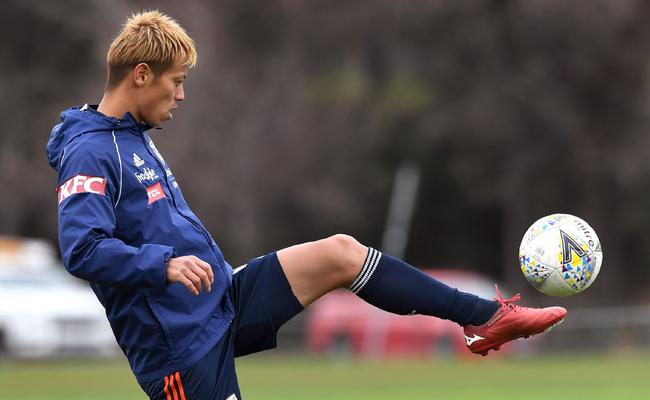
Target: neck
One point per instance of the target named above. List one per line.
(113, 104)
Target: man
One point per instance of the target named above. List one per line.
(178, 310)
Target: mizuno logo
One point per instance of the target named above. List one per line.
(473, 339)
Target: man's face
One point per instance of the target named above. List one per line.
(160, 96)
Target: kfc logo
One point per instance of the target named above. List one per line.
(81, 184)
(155, 193)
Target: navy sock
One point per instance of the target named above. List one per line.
(396, 287)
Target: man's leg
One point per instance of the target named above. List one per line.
(316, 268)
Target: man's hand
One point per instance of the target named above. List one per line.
(192, 272)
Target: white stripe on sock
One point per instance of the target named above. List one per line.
(364, 269)
(371, 270)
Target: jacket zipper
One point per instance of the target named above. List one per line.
(200, 229)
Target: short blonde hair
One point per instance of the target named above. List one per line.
(149, 37)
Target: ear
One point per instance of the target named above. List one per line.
(142, 74)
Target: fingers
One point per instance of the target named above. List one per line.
(189, 284)
(207, 268)
(202, 274)
(192, 272)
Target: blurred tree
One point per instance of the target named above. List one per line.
(298, 114)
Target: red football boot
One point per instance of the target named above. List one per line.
(510, 322)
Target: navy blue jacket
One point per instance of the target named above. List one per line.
(121, 218)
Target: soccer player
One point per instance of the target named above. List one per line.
(178, 310)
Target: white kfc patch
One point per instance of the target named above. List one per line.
(81, 184)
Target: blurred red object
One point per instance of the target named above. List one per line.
(341, 321)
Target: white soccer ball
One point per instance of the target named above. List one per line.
(560, 255)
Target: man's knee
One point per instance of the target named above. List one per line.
(345, 255)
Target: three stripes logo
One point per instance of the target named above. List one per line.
(372, 259)
(137, 160)
(174, 387)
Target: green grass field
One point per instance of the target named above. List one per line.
(274, 376)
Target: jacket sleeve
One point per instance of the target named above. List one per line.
(87, 193)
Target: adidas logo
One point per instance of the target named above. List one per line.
(137, 160)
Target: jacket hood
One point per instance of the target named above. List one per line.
(77, 121)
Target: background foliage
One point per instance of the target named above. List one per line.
(298, 114)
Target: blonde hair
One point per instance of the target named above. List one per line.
(148, 37)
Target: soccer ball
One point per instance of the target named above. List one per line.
(560, 255)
